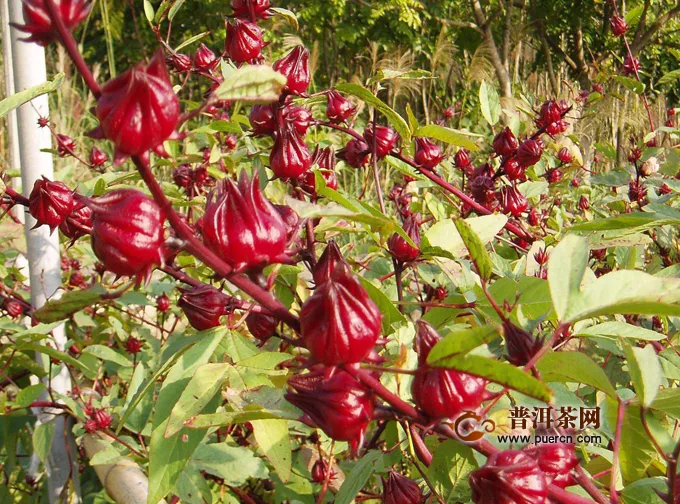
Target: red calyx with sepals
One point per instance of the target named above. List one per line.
(295, 67)
(65, 145)
(520, 344)
(427, 153)
(291, 220)
(320, 471)
(557, 461)
(513, 201)
(554, 176)
(78, 223)
(509, 477)
(204, 59)
(299, 117)
(399, 489)
(442, 393)
(38, 21)
(127, 232)
(340, 324)
(505, 143)
(631, 65)
(637, 192)
(138, 110)
(133, 345)
(262, 120)
(97, 157)
(619, 26)
(530, 152)
(102, 419)
(330, 260)
(203, 306)
(533, 218)
(261, 325)
(325, 160)
(483, 190)
(355, 153)
(583, 203)
(243, 227)
(513, 170)
(338, 108)
(163, 303)
(400, 249)
(290, 156)
(550, 113)
(179, 62)
(249, 9)
(385, 139)
(462, 159)
(13, 308)
(338, 404)
(50, 203)
(244, 41)
(634, 155)
(565, 155)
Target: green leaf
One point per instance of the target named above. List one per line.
(175, 7)
(412, 120)
(149, 12)
(204, 384)
(566, 267)
(169, 456)
(28, 395)
(452, 463)
(360, 474)
(634, 222)
(287, 15)
(391, 315)
(191, 40)
(669, 78)
(497, 372)
(447, 135)
(490, 103)
(68, 304)
(397, 122)
(18, 99)
(234, 464)
(574, 367)
(667, 401)
(274, 440)
(645, 371)
(108, 354)
(644, 491)
(389, 74)
(252, 84)
(621, 330)
(474, 244)
(53, 352)
(42, 440)
(634, 85)
(235, 417)
(445, 234)
(462, 342)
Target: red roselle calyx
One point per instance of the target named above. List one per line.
(299, 117)
(78, 223)
(102, 419)
(355, 153)
(505, 143)
(39, 21)
(262, 120)
(138, 110)
(290, 156)
(295, 67)
(325, 160)
(513, 201)
(339, 322)
(133, 345)
(243, 227)
(127, 232)
(565, 155)
(65, 145)
(557, 461)
(50, 203)
(320, 471)
(385, 139)
(163, 303)
(530, 152)
(427, 153)
(583, 203)
(400, 249)
(399, 489)
(554, 176)
(630, 65)
(483, 190)
(247, 9)
(520, 344)
(330, 260)
(462, 159)
(339, 108)
(203, 306)
(509, 477)
(13, 308)
(339, 405)
(179, 62)
(97, 157)
(619, 26)
(204, 59)
(261, 325)
(513, 170)
(244, 41)
(426, 338)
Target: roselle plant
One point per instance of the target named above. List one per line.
(284, 293)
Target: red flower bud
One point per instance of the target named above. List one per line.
(65, 145)
(550, 112)
(520, 344)
(619, 26)
(179, 62)
(426, 338)
(13, 308)
(295, 67)
(244, 41)
(462, 159)
(533, 217)
(320, 471)
(138, 110)
(565, 155)
(299, 117)
(50, 203)
(261, 325)
(78, 223)
(262, 120)
(39, 21)
(427, 153)
(242, 226)
(483, 189)
(127, 232)
(400, 249)
(90, 426)
(505, 143)
(449, 112)
(513, 201)
(340, 405)
(324, 158)
(290, 156)
(204, 59)
(230, 142)
(203, 306)
(339, 322)
(339, 108)
(664, 189)
(512, 169)
(556, 128)
(385, 139)
(554, 176)
(308, 181)
(583, 203)
(247, 9)
(355, 153)
(556, 460)
(509, 477)
(399, 489)
(637, 192)
(530, 152)
(163, 303)
(630, 65)
(133, 345)
(102, 419)
(330, 260)
(541, 256)
(440, 293)
(97, 157)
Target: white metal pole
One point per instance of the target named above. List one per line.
(42, 248)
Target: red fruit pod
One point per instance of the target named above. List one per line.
(38, 21)
(138, 110)
(399, 489)
(400, 249)
(13, 308)
(462, 159)
(290, 219)
(243, 227)
(554, 176)
(290, 156)
(249, 9)
(340, 323)
(513, 201)
(97, 157)
(90, 426)
(631, 65)
(427, 153)
(179, 62)
(261, 325)
(530, 152)
(483, 189)
(308, 181)
(385, 139)
(204, 59)
(583, 203)
(127, 232)
(50, 203)
(513, 170)
(565, 155)
(133, 345)
(203, 306)
(262, 120)
(295, 67)
(550, 112)
(520, 344)
(426, 338)
(355, 153)
(338, 108)
(619, 26)
(163, 303)
(339, 405)
(505, 143)
(330, 260)
(320, 471)
(533, 217)
(441, 393)
(244, 41)
(65, 145)
(299, 117)
(324, 158)
(509, 477)
(557, 461)
(78, 223)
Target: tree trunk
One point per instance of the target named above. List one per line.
(495, 56)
